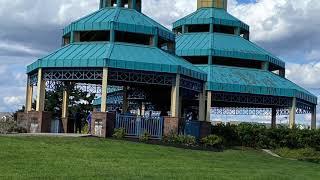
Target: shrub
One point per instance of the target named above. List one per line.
(258, 136)
(304, 154)
(212, 141)
(180, 140)
(145, 137)
(7, 126)
(119, 133)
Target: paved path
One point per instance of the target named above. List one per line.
(48, 135)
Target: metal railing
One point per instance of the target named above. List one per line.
(135, 126)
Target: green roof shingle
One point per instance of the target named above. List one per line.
(222, 45)
(253, 81)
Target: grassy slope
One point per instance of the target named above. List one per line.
(90, 158)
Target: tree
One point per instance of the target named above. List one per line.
(79, 101)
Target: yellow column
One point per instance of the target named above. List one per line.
(314, 118)
(209, 100)
(175, 93)
(29, 95)
(202, 105)
(104, 90)
(41, 92)
(65, 103)
(292, 116)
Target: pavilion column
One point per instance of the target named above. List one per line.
(65, 103)
(202, 105)
(133, 4)
(209, 101)
(211, 28)
(314, 117)
(41, 92)
(274, 118)
(292, 111)
(282, 73)
(175, 94)
(237, 31)
(125, 103)
(104, 90)
(143, 109)
(210, 60)
(184, 29)
(119, 3)
(29, 96)
(112, 35)
(265, 66)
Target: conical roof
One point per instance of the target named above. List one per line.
(120, 19)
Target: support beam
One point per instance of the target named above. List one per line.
(125, 103)
(282, 73)
(112, 35)
(202, 105)
(265, 66)
(41, 92)
(211, 28)
(65, 103)
(237, 31)
(292, 116)
(210, 60)
(143, 109)
(184, 29)
(29, 96)
(119, 3)
(209, 105)
(314, 117)
(274, 118)
(175, 93)
(104, 90)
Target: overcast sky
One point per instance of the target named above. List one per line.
(30, 29)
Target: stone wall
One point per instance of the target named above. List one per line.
(171, 126)
(102, 124)
(35, 122)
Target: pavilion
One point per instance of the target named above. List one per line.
(129, 60)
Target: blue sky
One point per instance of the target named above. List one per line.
(31, 29)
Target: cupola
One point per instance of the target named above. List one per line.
(131, 4)
(220, 4)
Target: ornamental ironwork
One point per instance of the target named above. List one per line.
(140, 77)
(191, 84)
(251, 99)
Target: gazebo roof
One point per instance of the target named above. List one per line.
(121, 19)
(223, 45)
(117, 55)
(211, 16)
(253, 81)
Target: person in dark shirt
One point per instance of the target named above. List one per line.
(78, 122)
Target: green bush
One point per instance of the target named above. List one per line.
(258, 136)
(7, 126)
(212, 141)
(119, 133)
(145, 137)
(305, 154)
(180, 140)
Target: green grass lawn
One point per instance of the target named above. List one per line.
(91, 158)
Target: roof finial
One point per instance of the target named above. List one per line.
(222, 4)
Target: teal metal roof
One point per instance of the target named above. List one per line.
(211, 16)
(223, 45)
(117, 55)
(121, 19)
(253, 81)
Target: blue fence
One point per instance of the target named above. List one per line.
(135, 126)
